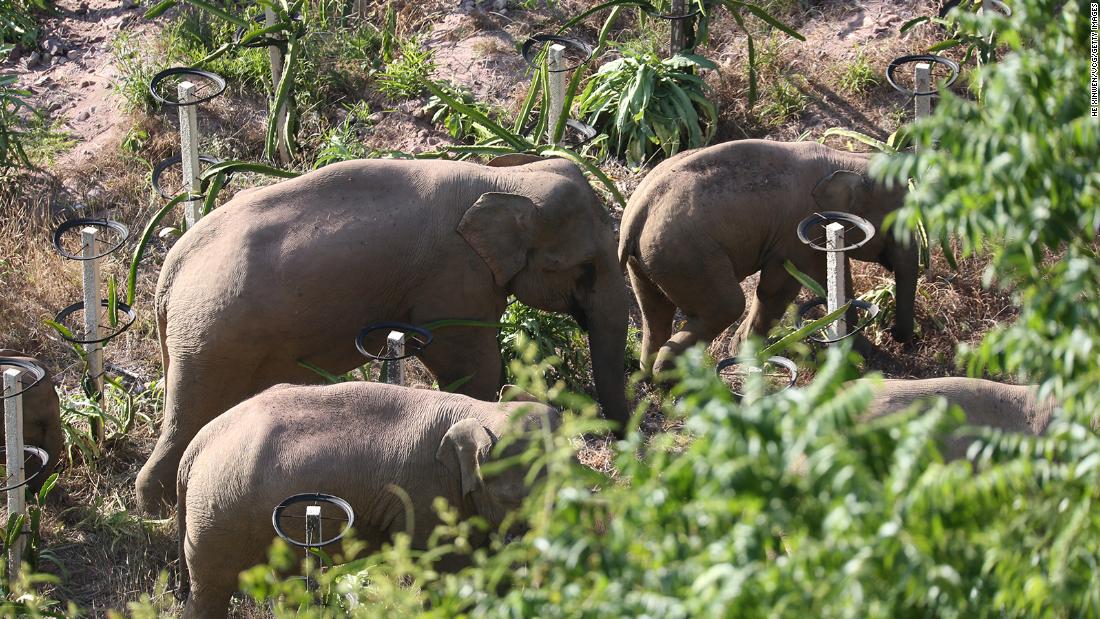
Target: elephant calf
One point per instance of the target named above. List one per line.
(1012, 408)
(704, 220)
(41, 418)
(353, 440)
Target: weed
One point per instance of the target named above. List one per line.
(404, 77)
(342, 142)
(551, 337)
(858, 77)
(135, 71)
(784, 102)
(120, 410)
(12, 109)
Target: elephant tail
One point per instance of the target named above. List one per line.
(629, 233)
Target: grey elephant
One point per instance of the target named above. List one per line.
(354, 440)
(41, 417)
(986, 403)
(291, 272)
(706, 219)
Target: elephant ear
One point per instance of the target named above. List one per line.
(499, 227)
(839, 191)
(463, 449)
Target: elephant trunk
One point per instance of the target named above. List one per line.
(605, 313)
(904, 260)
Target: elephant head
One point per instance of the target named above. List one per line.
(469, 444)
(557, 253)
(41, 418)
(850, 191)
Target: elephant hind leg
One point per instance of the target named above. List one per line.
(657, 315)
(774, 294)
(709, 293)
(194, 395)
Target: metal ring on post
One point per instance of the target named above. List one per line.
(42, 457)
(870, 308)
(217, 80)
(35, 370)
(120, 230)
(783, 362)
(412, 347)
(75, 307)
(825, 218)
(164, 164)
(932, 58)
(584, 132)
(312, 497)
(552, 38)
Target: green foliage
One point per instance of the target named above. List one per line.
(783, 102)
(1015, 176)
(550, 337)
(13, 110)
(404, 76)
(459, 126)
(858, 76)
(121, 408)
(770, 505)
(17, 22)
(648, 105)
(342, 142)
(135, 72)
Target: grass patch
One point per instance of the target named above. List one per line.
(858, 77)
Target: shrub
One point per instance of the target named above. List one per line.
(648, 105)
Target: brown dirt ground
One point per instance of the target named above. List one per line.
(107, 557)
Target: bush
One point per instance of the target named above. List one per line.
(647, 105)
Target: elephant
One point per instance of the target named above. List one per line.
(986, 403)
(41, 418)
(355, 440)
(704, 220)
(293, 271)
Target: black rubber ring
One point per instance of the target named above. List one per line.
(415, 345)
(68, 311)
(218, 80)
(315, 497)
(164, 164)
(783, 362)
(897, 62)
(34, 369)
(120, 230)
(42, 456)
(827, 217)
(552, 38)
(870, 308)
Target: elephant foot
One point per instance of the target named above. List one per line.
(155, 495)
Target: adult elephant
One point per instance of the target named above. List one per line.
(291, 272)
(705, 220)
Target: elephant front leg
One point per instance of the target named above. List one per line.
(466, 362)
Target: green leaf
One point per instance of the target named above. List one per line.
(805, 280)
(805, 331)
(767, 17)
(323, 373)
(518, 142)
(219, 12)
(159, 8)
(139, 251)
(859, 137)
